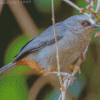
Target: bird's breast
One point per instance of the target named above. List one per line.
(70, 48)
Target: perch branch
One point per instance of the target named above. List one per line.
(95, 14)
(98, 7)
(57, 48)
(89, 1)
(68, 79)
(81, 10)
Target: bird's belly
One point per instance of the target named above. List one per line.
(72, 53)
(68, 57)
(46, 58)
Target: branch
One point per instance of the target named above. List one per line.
(91, 10)
(57, 49)
(89, 7)
(98, 7)
(89, 1)
(68, 79)
(81, 10)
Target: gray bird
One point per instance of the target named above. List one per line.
(73, 34)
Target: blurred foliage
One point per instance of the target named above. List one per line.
(44, 6)
(12, 49)
(90, 68)
(13, 86)
(53, 95)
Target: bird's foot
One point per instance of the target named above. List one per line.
(75, 67)
(78, 69)
(63, 74)
(83, 57)
(66, 77)
(71, 67)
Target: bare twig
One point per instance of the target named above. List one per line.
(91, 4)
(89, 1)
(95, 14)
(91, 10)
(57, 49)
(68, 80)
(81, 10)
(98, 7)
(89, 7)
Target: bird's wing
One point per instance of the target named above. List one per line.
(45, 39)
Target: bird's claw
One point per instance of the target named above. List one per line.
(78, 69)
(69, 77)
(73, 67)
(83, 57)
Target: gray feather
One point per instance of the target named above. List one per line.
(7, 68)
(45, 39)
(73, 39)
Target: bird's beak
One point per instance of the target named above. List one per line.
(95, 25)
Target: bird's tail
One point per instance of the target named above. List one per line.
(7, 68)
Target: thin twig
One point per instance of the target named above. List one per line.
(57, 48)
(95, 14)
(98, 7)
(81, 10)
(91, 4)
(60, 97)
(69, 80)
(72, 4)
(89, 1)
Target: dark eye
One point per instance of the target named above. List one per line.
(88, 23)
(85, 23)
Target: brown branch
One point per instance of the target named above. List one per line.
(68, 79)
(23, 18)
(98, 7)
(81, 10)
(95, 14)
(57, 48)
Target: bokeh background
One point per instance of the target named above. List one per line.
(19, 22)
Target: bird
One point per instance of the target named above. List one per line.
(73, 34)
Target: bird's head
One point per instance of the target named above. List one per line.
(81, 24)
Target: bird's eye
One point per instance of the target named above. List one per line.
(88, 23)
(83, 23)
